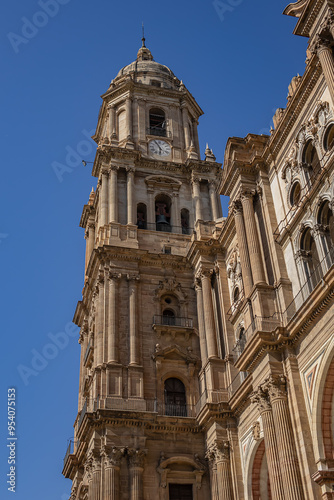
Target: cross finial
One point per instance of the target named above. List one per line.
(143, 38)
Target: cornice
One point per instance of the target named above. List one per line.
(309, 13)
(293, 110)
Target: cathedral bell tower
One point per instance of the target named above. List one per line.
(145, 361)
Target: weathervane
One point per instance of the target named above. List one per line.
(143, 38)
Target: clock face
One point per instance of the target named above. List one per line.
(159, 148)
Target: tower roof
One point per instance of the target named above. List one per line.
(145, 64)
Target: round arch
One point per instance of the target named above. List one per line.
(317, 406)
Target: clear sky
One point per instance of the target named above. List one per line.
(58, 57)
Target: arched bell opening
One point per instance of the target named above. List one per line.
(185, 221)
(158, 122)
(163, 207)
(141, 216)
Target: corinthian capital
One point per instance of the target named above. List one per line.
(112, 457)
(236, 207)
(320, 43)
(276, 387)
(222, 450)
(136, 457)
(260, 398)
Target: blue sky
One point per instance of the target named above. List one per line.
(237, 64)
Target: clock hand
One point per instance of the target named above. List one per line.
(158, 145)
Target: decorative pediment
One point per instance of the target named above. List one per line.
(179, 468)
(170, 285)
(162, 181)
(175, 353)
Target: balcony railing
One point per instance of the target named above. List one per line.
(259, 324)
(138, 405)
(235, 306)
(88, 350)
(82, 414)
(173, 321)
(314, 279)
(70, 449)
(236, 383)
(166, 228)
(211, 397)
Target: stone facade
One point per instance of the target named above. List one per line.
(207, 344)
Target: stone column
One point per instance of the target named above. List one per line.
(211, 457)
(197, 198)
(136, 459)
(252, 238)
(96, 482)
(112, 122)
(112, 461)
(104, 197)
(176, 216)
(195, 135)
(113, 194)
(276, 387)
(133, 326)
(209, 320)
(130, 195)
(90, 240)
(323, 50)
(201, 325)
(98, 342)
(243, 248)
(259, 397)
(185, 126)
(128, 110)
(213, 200)
(150, 209)
(112, 319)
(224, 480)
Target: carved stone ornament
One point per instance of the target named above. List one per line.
(112, 457)
(74, 492)
(256, 431)
(276, 386)
(136, 458)
(260, 398)
(222, 450)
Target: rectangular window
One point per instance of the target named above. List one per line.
(180, 492)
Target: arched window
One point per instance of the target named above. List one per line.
(236, 294)
(141, 216)
(311, 161)
(158, 122)
(326, 231)
(185, 221)
(168, 317)
(329, 138)
(175, 398)
(162, 213)
(295, 194)
(311, 259)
